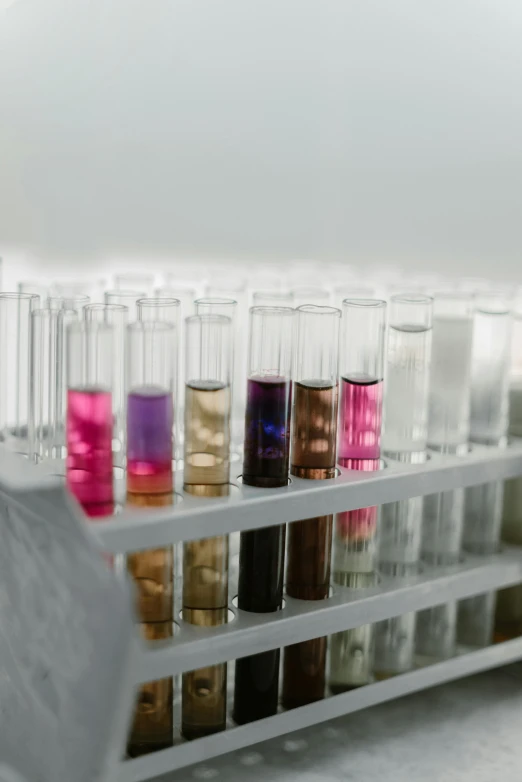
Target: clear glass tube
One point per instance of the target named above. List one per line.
(355, 542)
(476, 620)
(116, 316)
(15, 337)
(127, 298)
(135, 282)
(207, 459)
(304, 296)
(89, 473)
(273, 298)
(490, 367)
(77, 302)
(265, 464)
(407, 376)
(394, 645)
(313, 456)
(167, 310)
(151, 370)
(354, 290)
(47, 387)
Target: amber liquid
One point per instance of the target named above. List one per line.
(310, 541)
(153, 724)
(153, 574)
(207, 436)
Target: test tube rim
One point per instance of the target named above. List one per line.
(100, 306)
(364, 303)
(125, 292)
(159, 301)
(262, 309)
(411, 298)
(208, 317)
(214, 300)
(18, 296)
(319, 309)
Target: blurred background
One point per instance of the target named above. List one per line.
(365, 131)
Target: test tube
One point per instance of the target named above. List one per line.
(116, 316)
(76, 302)
(508, 618)
(47, 388)
(15, 337)
(266, 465)
(36, 289)
(448, 432)
(490, 365)
(359, 448)
(311, 295)
(151, 370)
(206, 474)
(89, 472)
(404, 439)
(273, 298)
(313, 456)
(127, 298)
(158, 308)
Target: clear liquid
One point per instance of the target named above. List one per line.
(449, 394)
(476, 618)
(207, 434)
(394, 645)
(490, 378)
(442, 527)
(483, 518)
(436, 632)
(400, 532)
(407, 385)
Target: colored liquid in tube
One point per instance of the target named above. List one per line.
(149, 485)
(360, 419)
(205, 562)
(309, 541)
(149, 441)
(89, 449)
(267, 432)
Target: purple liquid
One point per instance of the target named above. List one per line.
(150, 419)
(360, 420)
(267, 431)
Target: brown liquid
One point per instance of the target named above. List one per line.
(310, 541)
(153, 725)
(207, 435)
(205, 604)
(153, 574)
(508, 616)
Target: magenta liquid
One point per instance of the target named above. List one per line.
(360, 421)
(89, 449)
(150, 417)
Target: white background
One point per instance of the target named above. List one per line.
(367, 130)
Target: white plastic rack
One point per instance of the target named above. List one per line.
(38, 495)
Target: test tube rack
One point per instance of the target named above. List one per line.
(35, 494)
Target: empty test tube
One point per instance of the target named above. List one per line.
(127, 298)
(359, 448)
(405, 439)
(313, 456)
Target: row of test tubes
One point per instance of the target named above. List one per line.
(441, 367)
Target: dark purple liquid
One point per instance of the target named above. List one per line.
(262, 551)
(267, 432)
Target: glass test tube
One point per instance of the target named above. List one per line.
(151, 369)
(15, 337)
(405, 439)
(448, 432)
(76, 302)
(313, 455)
(232, 308)
(265, 464)
(127, 298)
(308, 295)
(206, 474)
(186, 297)
(48, 383)
(273, 298)
(490, 365)
(359, 448)
(89, 472)
(36, 289)
(116, 316)
(508, 618)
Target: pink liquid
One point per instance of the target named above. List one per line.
(89, 450)
(360, 421)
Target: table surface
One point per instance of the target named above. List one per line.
(466, 731)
